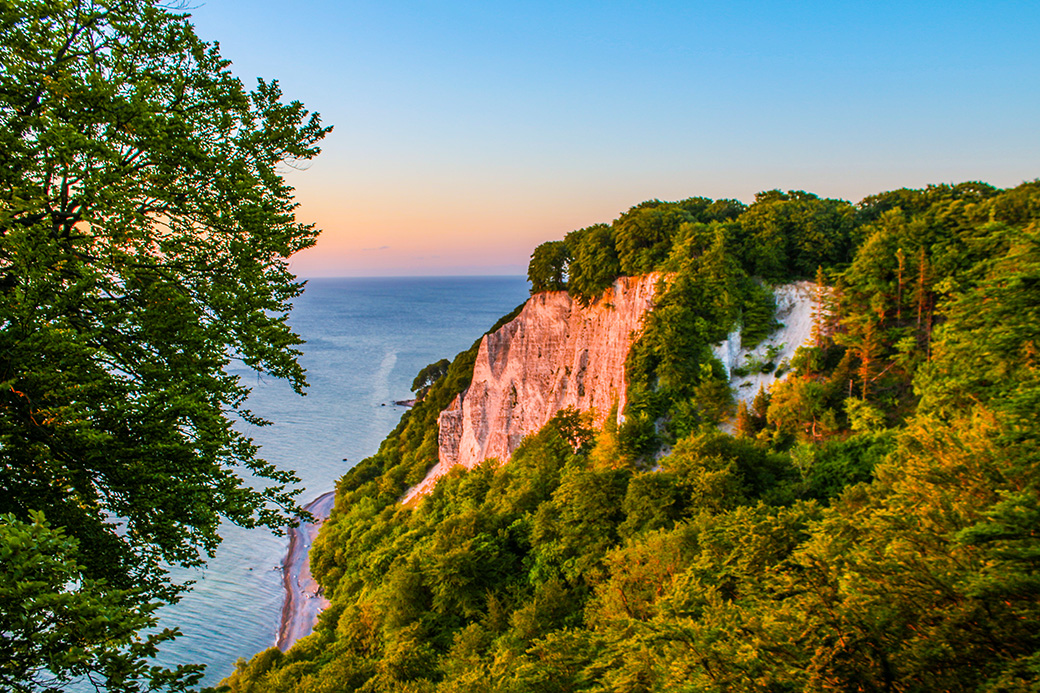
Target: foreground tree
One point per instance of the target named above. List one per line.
(59, 624)
(144, 234)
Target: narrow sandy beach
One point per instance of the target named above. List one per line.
(303, 600)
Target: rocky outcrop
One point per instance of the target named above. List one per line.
(554, 355)
(558, 354)
(794, 312)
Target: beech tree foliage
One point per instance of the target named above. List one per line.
(74, 626)
(144, 234)
(547, 270)
(871, 526)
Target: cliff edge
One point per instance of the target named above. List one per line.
(557, 354)
(554, 355)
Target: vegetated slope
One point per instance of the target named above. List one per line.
(871, 525)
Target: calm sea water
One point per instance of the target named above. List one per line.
(366, 340)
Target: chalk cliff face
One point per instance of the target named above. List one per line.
(555, 354)
(794, 312)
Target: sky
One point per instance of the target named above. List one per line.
(466, 133)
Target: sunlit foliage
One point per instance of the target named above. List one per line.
(872, 524)
(145, 231)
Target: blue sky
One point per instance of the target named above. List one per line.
(468, 132)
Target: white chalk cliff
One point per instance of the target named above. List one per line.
(794, 312)
(558, 354)
(554, 355)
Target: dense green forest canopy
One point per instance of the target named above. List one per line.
(872, 523)
(145, 231)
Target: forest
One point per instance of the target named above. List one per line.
(871, 524)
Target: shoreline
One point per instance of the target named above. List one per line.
(303, 596)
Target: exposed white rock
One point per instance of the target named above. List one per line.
(794, 311)
(558, 354)
(554, 355)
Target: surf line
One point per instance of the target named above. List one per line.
(303, 596)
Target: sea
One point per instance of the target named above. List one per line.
(366, 338)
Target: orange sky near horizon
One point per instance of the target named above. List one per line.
(467, 133)
(476, 229)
